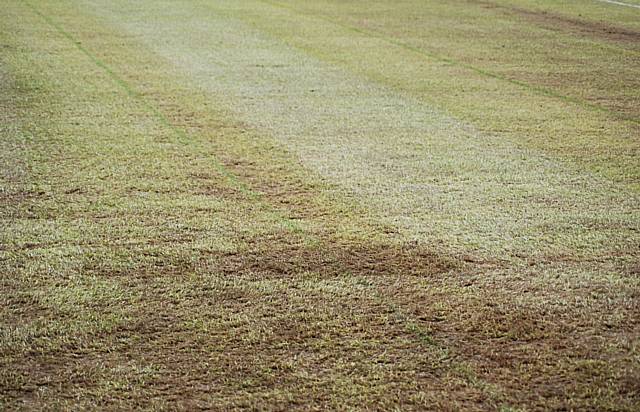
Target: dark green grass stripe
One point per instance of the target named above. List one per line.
(124, 85)
(447, 60)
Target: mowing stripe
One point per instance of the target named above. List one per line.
(619, 3)
(178, 132)
(434, 56)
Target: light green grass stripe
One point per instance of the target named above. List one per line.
(447, 60)
(124, 85)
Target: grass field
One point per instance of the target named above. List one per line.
(351, 205)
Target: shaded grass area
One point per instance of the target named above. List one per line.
(156, 253)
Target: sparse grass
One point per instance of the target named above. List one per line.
(318, 205)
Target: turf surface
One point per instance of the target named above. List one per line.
(345, 205)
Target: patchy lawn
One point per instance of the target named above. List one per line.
(319, 205)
